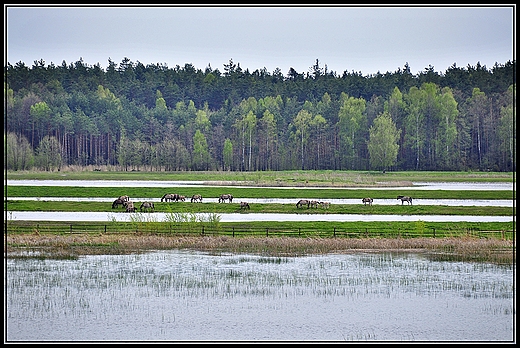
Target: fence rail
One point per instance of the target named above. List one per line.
(204, 230)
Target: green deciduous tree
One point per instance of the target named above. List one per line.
(201, 157)
(383, 142)
(507, 131)
(351, 120)
(228, 154)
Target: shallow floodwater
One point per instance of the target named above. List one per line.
(239, 217)
(445, 202)
(187, 295)
(474, 186)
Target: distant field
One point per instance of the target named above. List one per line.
(303, 178)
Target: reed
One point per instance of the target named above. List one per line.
(70, 246)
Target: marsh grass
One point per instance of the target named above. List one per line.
(69, 246)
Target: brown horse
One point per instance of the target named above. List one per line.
(367, 200)
(117, 203)
(225, 197)
(130, 208)
(244, 205)
(196, 198)
(124, 198)
(324, 205)
(405, 199)
(147, 206)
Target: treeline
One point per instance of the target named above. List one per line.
(158, 118)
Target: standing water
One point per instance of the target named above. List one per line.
(193, 296)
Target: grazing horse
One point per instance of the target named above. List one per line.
(124, 198)
(130, 208)
(303, 202)
(314, 204)
(405, 199)
(196, 198)
(244, 205)
(324, 205)
(181, 198)
(118, 202)
(367, 200)
(223, 198)
(170, 197)
(147, 206)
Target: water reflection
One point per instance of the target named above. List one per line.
(181, 295)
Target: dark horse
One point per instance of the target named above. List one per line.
(367, 200)
(223, 198)
(170, 197)
(118, 202)
(405, 199)
(303, 202)
(147, 206)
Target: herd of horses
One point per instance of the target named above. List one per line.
(312, 204)
(129, 206)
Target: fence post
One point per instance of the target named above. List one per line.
(233, 231)
(70, 228)
(433, 232)
(202, 230)
(299, 231)
(334, 232)
(267, 232)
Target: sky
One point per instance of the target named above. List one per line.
(360, 39)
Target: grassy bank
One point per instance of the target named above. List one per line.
(256, 192)
(221, 208)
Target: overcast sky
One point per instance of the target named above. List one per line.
(360, 39)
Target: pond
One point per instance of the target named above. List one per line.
(193, 296)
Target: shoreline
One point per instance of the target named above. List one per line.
(72, 246)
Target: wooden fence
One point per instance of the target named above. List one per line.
(205, 230)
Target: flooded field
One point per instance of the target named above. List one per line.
(238, 217)
(193, 296)
(500, 186)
